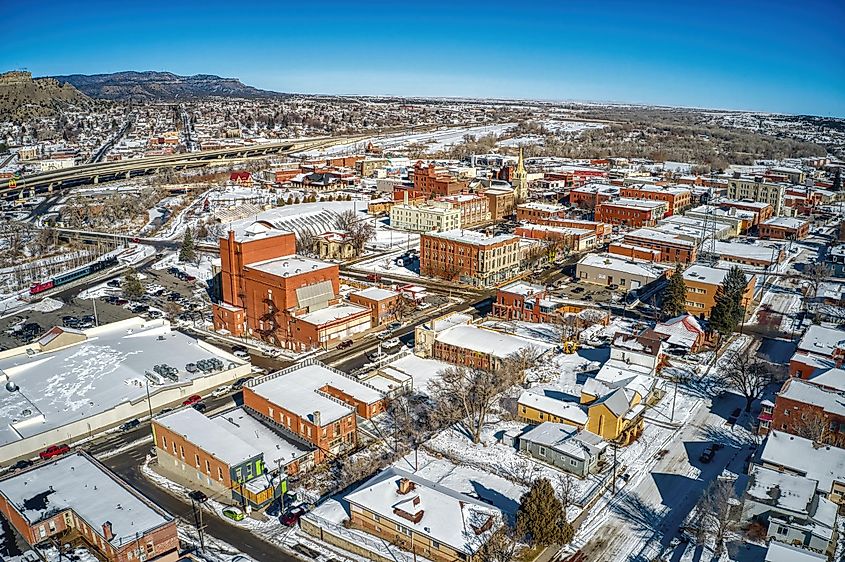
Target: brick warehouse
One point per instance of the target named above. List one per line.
(272, 294)
(76, 500)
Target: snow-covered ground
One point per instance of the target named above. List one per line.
(387, 265)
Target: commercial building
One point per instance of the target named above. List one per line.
(469, 257)
(381, 302)
(272, 294)
(500, 200)
(763, 211)
(422, 517)
(674, 248)
(425, 217)
(218, 456)
(316, 403)
(76, 500)
(608, 269)
(702, 282)
(61, 395)
(432, 182)
(758, 189)
(631, 212)
(784, 228)
(591, 195)
(568, 239)
(477, 346)
(678, 199)
(759, 255)
(537, 213)
(474, 209)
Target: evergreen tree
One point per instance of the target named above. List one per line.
(132, 288)
(187, 253)
(727, 311)
(541, 518)
(675, 294)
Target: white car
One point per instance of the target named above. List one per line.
(391, 343)
(222, 391)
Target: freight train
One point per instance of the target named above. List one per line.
(79, 273)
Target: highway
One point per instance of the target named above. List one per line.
(102, 171)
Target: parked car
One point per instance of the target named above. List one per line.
(54, 451)
(241, 353)
(344, 344)
(239, 384)
(233, 513)
(114, 283)
(21, 464)
(131, 424)
(274, 509)
(200, 406)
(393, 326)
(291, 518)
(708, 454)
(191, 400)
(221, 391)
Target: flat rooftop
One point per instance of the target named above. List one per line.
(297, 389)
(216, 439)
(333, 313)
(629, 203)
(277, 448)
(473, 237)
(288, 266)
(58, 387)
(376, 293)
(76, 482)
(483, 340)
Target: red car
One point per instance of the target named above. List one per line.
(191, 400)
(291, 518)
(54, 451)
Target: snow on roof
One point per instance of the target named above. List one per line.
(483, 340)
(564, 438)
(808, 393)
(819, 340)
(787, 491)
(653, 234)
(670, 189)
(628, 203)
(287, 266)
(77, 482)
(782, 552)
(376, 293)
(297, 389)
(276, 448)
(622, 265)
(537, 206)
(421, 370)
(785, 222)
(522, 288)
(91, 377)
(332, 313)
(215, 439)
(826, 374)
(822, 463)
(705, 274)
(450, 320)
(568, 411)
(473, 237)
(767, 253)
(448, 517)
(682, 331)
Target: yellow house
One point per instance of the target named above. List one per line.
(536, 407)
(617, 416)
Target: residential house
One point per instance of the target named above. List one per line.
(682, 334)
(809, 459)
(335, 245)
(819, 348)
(565, 447)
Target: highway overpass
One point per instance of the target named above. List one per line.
(96, 172)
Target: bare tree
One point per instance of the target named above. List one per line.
(515, 364)
(466, 395)
(305, 242)
(360, 230)
(817, 273)
(500, 547)
(401, 307)
(714, 514)
(748, 375)
(816, 427)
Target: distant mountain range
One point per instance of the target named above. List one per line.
(160, 86)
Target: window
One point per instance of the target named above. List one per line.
(573, 462)
(207, 467)
(220, 473)
(542, 451)
(782, 530)
(197, 461)
(164, 442)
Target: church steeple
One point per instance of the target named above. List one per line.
(520, 179)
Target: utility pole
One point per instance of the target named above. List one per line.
(149, 402)
(674, 397)
(94, 304)
(197, 499)
(613, 476)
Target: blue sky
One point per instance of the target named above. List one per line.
(768, 55)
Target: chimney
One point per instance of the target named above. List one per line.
(108, 534)
(316, 418)
(405, 486)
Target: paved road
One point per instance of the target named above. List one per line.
(127, 465)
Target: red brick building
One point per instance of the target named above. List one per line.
(317, 403)
(592, 194)
(270, 293)
(677, 198)
(672, 248)
(469, 256)
(802, 407)
(784, 228)
(429, 181)
(764, 211)
(631, 212)
(381, 302)
(76, 500)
